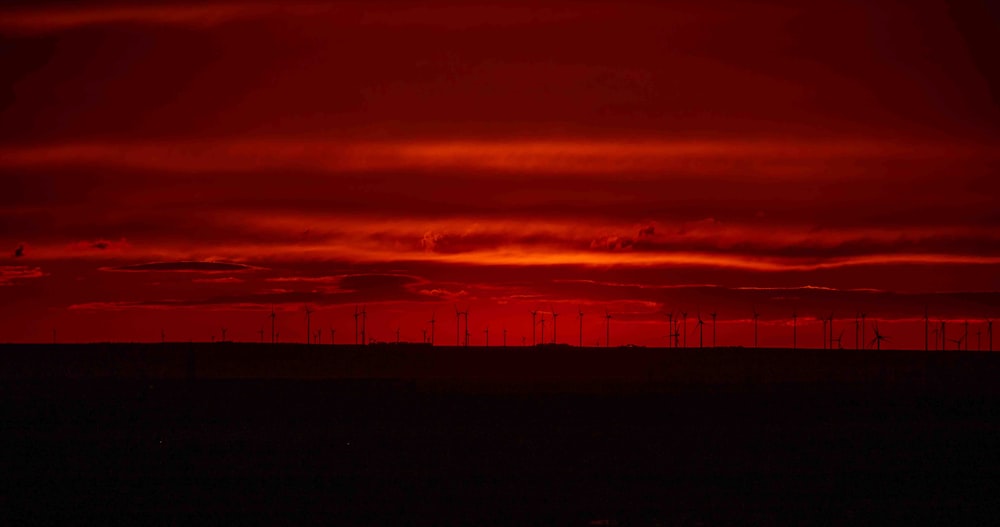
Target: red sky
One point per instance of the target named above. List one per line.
(636, 158)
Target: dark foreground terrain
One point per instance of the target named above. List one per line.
(140, 435)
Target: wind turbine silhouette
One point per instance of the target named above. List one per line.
(432, 322)
(555, 319)
(831, 329)
(944, 342)
(458, 326)
(701, 332)
(713, 314)
(607, 317)
(224, 330)
(364, 325)
(839, 339)
(965, 337)
(936, 333)
(579, 310)
(467, 334)
(670, 330)
(877, 341)
(542, 322)
(756, 316)
(958, 343)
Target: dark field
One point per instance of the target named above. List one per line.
(230, 434)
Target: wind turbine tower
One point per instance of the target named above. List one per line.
(432, 322)
(580, 314)
(364, 325)
(555, 318)
(701, 332)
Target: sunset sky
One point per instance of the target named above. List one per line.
(186, 166)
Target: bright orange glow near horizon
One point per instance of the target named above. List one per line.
(183, 167)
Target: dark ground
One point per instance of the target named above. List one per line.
(914, 440)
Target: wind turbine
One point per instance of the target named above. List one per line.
(958, 343)
(224, 330)
(580, 314)
(364, 325)
(965, 337)
(684, 316)
(458, 327)
(756, 316)
(319, 336)
(424, 331)
(839, 339)
(701, 332)
(274, 336)
(877, 341)
(261, 335)
(432, 322)
(542, 322)
(467, 334)
(397, 335)
(607, 317)
(308, 324)
(713, 314)
(555, 318)
(936, 336)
